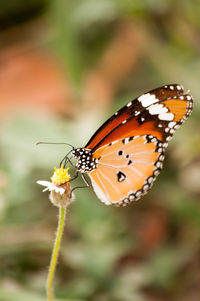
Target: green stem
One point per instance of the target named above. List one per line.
(55, 253)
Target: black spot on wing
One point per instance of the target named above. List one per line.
(129, 162)
(120, 176)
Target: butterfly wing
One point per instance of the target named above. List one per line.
(129, 147)
(127, 169)
(158, 112)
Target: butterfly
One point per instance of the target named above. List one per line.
(125, 155)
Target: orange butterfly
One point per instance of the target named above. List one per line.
(125, 155)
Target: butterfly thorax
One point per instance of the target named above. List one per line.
(85, 160)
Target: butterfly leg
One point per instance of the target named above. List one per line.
(85, 186)
(74, 177)
(85, 180)
(65, 160)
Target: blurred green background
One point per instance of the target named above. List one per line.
(65, 67)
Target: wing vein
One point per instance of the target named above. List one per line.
(127, 149)
(121, 166)
(115, 188)
(107, 194)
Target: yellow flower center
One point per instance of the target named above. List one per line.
(60, 176)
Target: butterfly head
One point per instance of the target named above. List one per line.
(85, 160)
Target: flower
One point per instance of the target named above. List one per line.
(59, 187)
(60, 176)
(51, 186)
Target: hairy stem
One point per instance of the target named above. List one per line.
(55, 253)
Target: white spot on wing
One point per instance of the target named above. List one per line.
(168, 138)
(129, 104)
(166, 116)
(126, 140)
(171, 124)
(147, 99)
(157, 109)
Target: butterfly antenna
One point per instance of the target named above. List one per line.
(55, 143)
(65, 160)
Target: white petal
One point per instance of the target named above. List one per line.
(59, 190)
(47, 188)
(50, 186)
(44, 183)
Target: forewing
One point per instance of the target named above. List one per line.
(158, 112)
(127, 169)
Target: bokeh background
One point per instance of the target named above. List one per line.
(65, 66)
